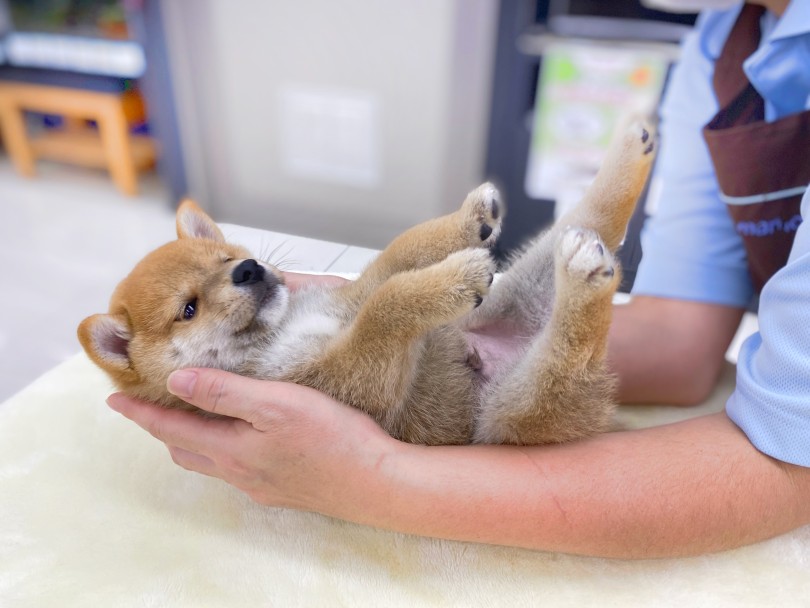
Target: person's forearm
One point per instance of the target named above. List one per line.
(682, 489)
(669, 351)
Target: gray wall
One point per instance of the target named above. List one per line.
(344, 120)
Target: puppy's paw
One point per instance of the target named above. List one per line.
(481, 215)
(639, 138)
(471, 274)
(585, 259)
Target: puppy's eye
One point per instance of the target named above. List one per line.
(190, 309)
(226, 260)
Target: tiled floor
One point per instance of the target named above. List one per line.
(67, 238)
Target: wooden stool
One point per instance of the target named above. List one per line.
(111, 146)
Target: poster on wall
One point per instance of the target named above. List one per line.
(585, 90)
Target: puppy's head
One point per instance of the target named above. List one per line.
(195, 302)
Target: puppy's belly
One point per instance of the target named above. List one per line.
(498, 346)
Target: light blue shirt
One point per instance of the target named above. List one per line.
(692, 252)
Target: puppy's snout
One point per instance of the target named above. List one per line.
(247, 273)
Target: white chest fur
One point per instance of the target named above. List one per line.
(312, 320)
(311, 324)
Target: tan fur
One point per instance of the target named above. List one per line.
(400, 342)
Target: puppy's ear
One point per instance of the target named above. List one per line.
(105, 339)
(194, 223)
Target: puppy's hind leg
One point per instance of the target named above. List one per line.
(525, 291)
(611, 199)
(561, 390)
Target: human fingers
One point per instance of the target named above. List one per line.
(178, 428)
(297, 280)
(264, 404)
(228, 394)
(194, 462)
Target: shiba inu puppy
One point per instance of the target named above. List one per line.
(403, 341)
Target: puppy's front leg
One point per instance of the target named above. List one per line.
(371, 366)
(561, 389)
(476, 224)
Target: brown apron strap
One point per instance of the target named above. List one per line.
(760, 169)
(729, 78)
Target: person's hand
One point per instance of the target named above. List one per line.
(297, 280)
(282, 444)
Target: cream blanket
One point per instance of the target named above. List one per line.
(94, 513)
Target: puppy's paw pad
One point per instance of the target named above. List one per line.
(640, 137)
(474, 271)
(585, 257)
(482, 212)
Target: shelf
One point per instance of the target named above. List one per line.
(84, 147)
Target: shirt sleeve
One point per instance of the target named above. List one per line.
(771, 403)
(691, 251)
(690, 248)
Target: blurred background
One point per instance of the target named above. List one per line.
(342, 121)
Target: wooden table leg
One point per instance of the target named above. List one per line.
(12, 121)
(114, 131)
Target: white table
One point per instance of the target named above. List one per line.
(298, 253)
(94, 513)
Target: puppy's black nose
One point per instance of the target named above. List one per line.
(247, 273)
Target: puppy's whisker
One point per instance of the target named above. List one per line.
(267, 253)
(287, 264)
(275, 251)
(276, 257)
